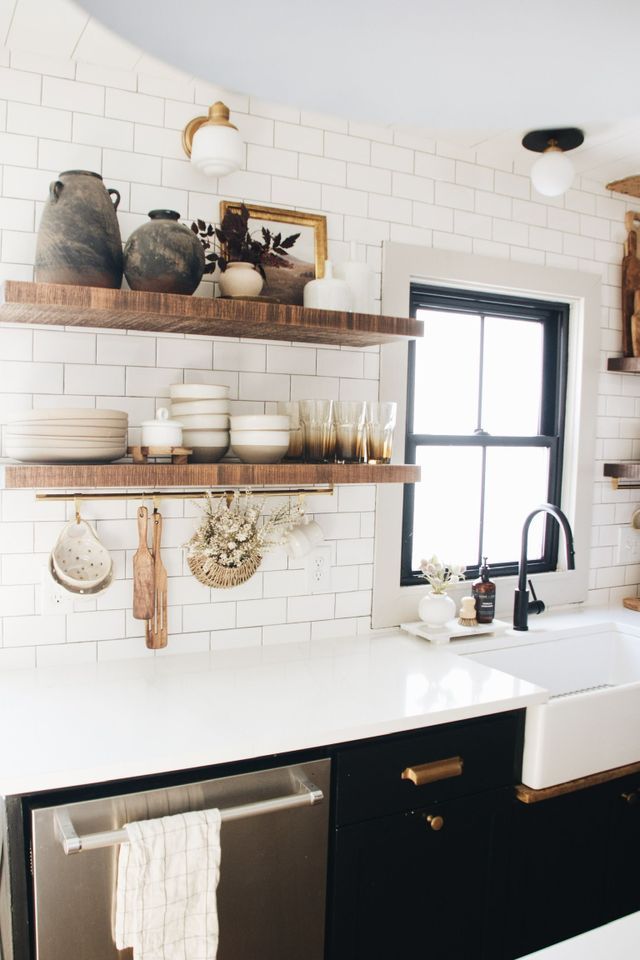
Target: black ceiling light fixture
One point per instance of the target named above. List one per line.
(553, 173)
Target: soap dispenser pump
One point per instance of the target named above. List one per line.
(484, 592)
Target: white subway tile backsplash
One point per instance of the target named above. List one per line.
(373, 184)
(100, 132)
(17, 149)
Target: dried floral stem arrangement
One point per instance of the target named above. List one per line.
(228, 546)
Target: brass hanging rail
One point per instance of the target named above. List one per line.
(156, 495)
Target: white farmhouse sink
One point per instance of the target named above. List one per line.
(592, 719)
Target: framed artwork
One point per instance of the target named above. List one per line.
(306, 258)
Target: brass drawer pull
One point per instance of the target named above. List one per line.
(431, 772)
(435, 822)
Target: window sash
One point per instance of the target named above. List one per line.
(554, 318)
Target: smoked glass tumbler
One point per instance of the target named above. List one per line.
(380, 422)
(348, 416)
(318, 431)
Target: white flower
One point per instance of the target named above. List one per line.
(439, 575)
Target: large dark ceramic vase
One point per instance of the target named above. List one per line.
(79, 237)
(163, 256)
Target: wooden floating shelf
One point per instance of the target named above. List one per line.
(48, 303)
(623, 471)
(151, 476)
(623, 364)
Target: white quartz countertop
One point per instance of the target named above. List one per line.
(619, 940)
(67, 726)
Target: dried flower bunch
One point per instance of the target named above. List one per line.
(441, 575)
(240, 245)
(227, 547)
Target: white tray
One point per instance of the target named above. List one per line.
(452, 630)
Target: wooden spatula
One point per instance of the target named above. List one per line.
(159, 633)
(143, 579)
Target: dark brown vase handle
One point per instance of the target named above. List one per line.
(117, 194)
(55, 189)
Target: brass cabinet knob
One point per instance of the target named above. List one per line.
(435, 822)
(632, 798)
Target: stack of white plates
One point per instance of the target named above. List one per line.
(260, 438)
(67, 435)
(203, 411)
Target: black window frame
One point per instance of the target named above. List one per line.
(554, 317)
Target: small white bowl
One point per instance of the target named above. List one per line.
(203, 421)
(205, 438)
(259, 421)
(260, 438)
(188, 408)
(198, 391)
(267, 453)
(208, 454)
(215, 421)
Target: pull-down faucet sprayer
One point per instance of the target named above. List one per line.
(521, 605)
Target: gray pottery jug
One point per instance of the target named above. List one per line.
(163, 256)
(79, 237)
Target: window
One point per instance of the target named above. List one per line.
(485, 420)
(408, 266)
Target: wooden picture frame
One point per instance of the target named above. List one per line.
(283, 285)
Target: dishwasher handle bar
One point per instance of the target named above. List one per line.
(307, 794)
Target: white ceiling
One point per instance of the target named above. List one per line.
(477, 74)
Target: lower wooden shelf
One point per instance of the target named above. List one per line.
(629, 470)
(160, 475)
(623, 364)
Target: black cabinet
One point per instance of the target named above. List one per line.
(423, 871)
(573, 863)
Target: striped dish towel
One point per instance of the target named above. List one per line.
(166, 887)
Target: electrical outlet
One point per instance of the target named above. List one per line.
(53, 599)
(628, 545)
(319, 570)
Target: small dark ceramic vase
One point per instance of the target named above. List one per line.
(79, 237)
(163, 256)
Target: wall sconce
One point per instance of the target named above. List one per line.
(553, 173)
(213, 143)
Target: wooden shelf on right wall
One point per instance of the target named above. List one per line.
(623, 364)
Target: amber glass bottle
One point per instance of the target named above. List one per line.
(484, 592)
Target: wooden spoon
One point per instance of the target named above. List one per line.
(159, 634)
(143, 573)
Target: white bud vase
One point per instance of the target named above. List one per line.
(359, 276)
(328, 293)
(435, 609)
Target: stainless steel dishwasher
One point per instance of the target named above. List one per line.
(271, 895)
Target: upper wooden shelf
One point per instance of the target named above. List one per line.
(628, 470)
(160, 475)
(623, 364)
(47, 303)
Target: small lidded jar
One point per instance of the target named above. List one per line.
(162, 432)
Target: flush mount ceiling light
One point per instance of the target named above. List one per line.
(553, 173)
(213, 142)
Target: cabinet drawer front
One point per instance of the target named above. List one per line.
(404, 772)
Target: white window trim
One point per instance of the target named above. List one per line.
(404, 264)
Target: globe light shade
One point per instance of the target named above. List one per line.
(213, 143)
(552, 174)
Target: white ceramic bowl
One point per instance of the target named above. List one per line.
(203, 421)
(253, 453)
(260, 438)
(260, 422)
(214, 421)
(188, 408)
(205, 438)
(67, 413)
(198, 391)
